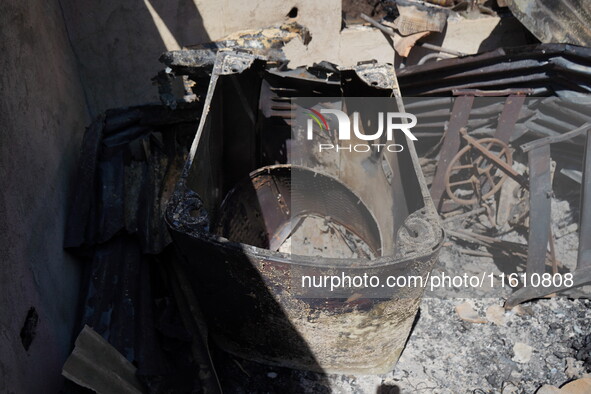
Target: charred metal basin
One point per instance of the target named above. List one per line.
(246, 286)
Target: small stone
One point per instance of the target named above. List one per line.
(511, 390)
(522, 352)
(272, 375)
(492, 380)
(521, 310)
(496, 314)
(574, 368)
(577, 329)
(467, 313)
(561, 354)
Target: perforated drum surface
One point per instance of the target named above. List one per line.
(265, 209)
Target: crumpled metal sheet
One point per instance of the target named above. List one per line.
(549, 69)
(129, 159)
(418, 17)
(96, 365)
(565, 21)
(267, 42)
(129, 164)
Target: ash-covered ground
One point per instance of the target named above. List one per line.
(523, 350)
(486, 350)
(542, 342)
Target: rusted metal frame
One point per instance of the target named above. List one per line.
(506, 168)
(462, 75)
(505, 129)
(540, 198)
(509, 116)
(464, 215)
(492, 93)
(584, 252)
(552, 246)
(581, 277)
(477, 171)
(451, 144)
(557, 138)
(539, 62)
(507, 247)
(511, 108)
(582, 274)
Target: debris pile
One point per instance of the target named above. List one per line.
(503, 151)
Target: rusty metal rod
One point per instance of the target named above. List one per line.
(556, 138)
(506, 168)
(464, 215)
(426, 45)
(441, 49)
(492, 93)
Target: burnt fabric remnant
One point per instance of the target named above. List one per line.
(130, 160)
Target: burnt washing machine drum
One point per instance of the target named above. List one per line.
(267, 225)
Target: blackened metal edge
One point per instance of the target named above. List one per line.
(384, 77)
(375, 75)
(247, 290)
(226, 63)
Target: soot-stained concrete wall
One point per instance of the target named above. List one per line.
(43, 113)
(118, 43)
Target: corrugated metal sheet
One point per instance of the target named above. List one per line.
(550, 69)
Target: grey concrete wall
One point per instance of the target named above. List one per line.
(42, 118)
(118, 43)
